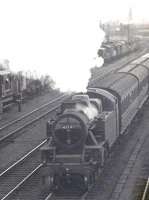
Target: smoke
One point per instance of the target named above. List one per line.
(99, 61)
(58, 38)
(91, 111)
(79, 55)
(77, 41)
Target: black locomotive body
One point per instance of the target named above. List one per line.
(115, 49)
(88, 125)
(78, 139)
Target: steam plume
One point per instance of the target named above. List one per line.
(59, 38)
(90, 110)
(78, 40)
(78, 57)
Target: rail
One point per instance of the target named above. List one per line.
(146, 191)
(18, 163)
(5, 137)
(27, 155)
(112, 70)
(22, 182)
(22, 159)
(33, 111)
(49, 196)
(82, 197)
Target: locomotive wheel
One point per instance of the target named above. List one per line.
(86, 183)
(89, 181)
(47, 182)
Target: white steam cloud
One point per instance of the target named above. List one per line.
(90, 110)
(59, 38)
(78, 45)
(99, 61)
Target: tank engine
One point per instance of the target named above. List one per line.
(115, 49)
(76, 142)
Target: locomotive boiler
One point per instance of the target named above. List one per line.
(70, 130)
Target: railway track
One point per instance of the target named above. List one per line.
(19, 173)
(116, 195)
(145, 195)
(23, 138)
(10, 194)
(113, 68)
(72, 196)
(141, 185)
(6, 174)
(9, 174)
(17, 125)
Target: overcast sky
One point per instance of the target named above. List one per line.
(59, 37)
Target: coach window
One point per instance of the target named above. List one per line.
(127, 101)
(136, 92)
(124, 104)
(140, 85)
(107, 104)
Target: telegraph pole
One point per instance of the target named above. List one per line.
(129, 23)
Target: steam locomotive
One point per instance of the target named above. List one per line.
(115, 49)
(88, 125)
